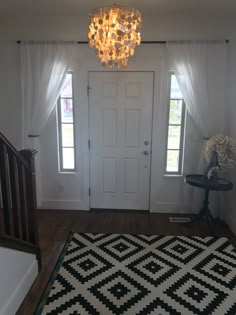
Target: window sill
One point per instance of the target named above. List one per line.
(67, 173)
(173, 175)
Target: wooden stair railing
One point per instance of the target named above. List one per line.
(18, 227)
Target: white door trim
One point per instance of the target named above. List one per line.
(124, 202)
(146, 60)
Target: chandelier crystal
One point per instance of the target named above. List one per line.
(115, 32)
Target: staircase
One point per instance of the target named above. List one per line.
(19, 248)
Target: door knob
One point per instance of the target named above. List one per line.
(146, 142)
(145, 152)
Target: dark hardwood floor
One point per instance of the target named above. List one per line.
(54, 227)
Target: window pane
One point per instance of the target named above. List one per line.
(67, 88)
(67, 135)
(174, 90)
(66, 110)
(175, 115)
(174, 133)
(68, 161)
(172, 163)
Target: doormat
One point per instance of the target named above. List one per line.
(105, 274)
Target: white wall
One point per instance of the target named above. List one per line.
(158, 27)
(231, 196)
(10, 103)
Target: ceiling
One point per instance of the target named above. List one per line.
(147, 7)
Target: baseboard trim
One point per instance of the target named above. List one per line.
(170, 207)
(21, 290)
(65, 205)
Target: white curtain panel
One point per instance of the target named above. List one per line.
(200, 68)
(43, 69)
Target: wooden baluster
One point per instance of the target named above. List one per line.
(32, 198)
(15, 193)
(23, 202)
(2, 226)
(6, 191)
(31, 191)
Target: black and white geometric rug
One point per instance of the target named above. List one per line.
(106, 274)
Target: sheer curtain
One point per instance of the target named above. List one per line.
(43, 69)
(200, 70)
(191, 63)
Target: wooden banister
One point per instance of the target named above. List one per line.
(3, 139)
(18, 224)
(18, 244)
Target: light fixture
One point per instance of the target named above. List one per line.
(114, 32)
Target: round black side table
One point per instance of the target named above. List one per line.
(201, 181)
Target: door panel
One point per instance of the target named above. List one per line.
(120, 112)
(109, 175)
(132, 127)
(110, 127)
(131, 176)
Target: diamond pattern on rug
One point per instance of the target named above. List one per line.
(119, 292)
(112, 274)
(157, 307)
(75, 245)
(179, 249)
(149, 239)
(121, 247)
(93, 237)
(60, 288)
(153, 268)
(227, 249)
(218, 269)
(208, 240)
(196, 295)
(77, 305)
(86, 266)
(232, 310)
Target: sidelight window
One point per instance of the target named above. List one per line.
(175, 132)
(66, 137)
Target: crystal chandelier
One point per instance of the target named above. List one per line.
(114, 32)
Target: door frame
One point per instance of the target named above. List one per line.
(147, 58)
(89, 130)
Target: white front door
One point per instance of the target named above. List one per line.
(120, 118)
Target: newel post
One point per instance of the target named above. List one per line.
(29, 156)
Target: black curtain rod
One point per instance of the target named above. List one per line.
(153, 41)
(142, 42)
